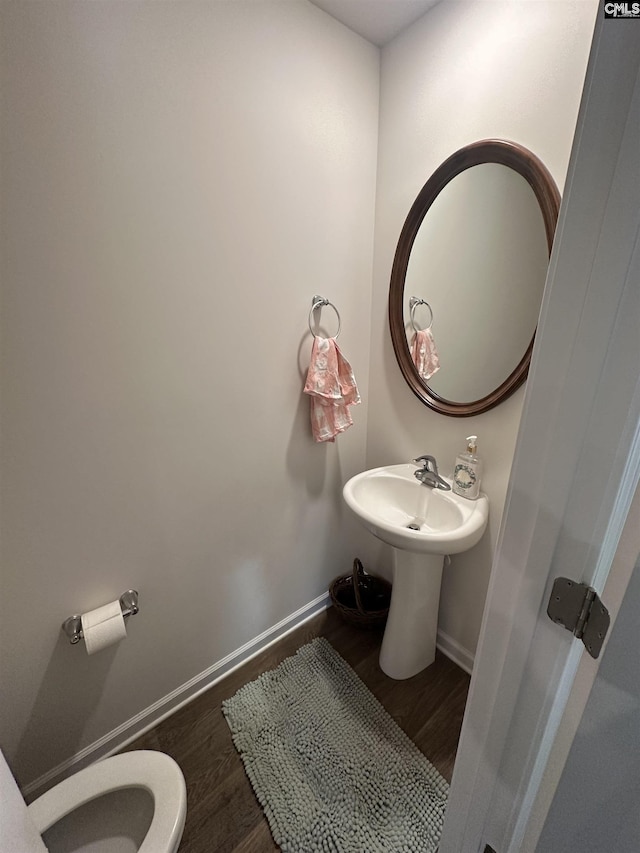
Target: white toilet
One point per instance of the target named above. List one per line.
(86, 813)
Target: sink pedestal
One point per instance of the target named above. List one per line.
(409, 642)
(421, 524)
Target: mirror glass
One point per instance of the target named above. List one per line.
(475, 246)
(480, 260)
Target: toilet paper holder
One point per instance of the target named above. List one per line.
(72, 626)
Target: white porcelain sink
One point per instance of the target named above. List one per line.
(423, 525)
(391, 503)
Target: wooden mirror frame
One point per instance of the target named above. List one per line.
(532, 169)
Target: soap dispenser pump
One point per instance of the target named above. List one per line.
(468, 471)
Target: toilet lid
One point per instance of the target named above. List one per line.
(155, 772)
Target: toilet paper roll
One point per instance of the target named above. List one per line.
(103, 627)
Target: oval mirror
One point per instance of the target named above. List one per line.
(475, 269)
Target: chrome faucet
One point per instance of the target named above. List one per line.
(428, 474)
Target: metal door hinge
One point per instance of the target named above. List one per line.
(578, 608)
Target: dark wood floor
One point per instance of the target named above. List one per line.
(223, 814)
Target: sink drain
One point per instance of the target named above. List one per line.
(413, 526)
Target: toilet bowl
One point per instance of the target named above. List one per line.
(153, 776)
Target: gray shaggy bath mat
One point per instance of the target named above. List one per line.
(331, 769)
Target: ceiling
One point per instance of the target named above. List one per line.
(376, 20)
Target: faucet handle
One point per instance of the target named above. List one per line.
(428, 462)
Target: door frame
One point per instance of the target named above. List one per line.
(575, 470)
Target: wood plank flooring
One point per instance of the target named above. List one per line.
(223, 814)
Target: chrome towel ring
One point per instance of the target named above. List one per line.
(413, 304)
(320, 302)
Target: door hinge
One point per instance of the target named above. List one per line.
(578, 608)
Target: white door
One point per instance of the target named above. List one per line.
(575, 471)
(596, 805)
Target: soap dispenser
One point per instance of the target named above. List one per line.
(468, 471)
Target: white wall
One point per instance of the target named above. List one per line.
(464, 72)
(179, 179)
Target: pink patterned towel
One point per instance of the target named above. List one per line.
(424, 353)
(332, 388)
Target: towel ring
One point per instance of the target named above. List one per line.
(413, 303)
(320, 302)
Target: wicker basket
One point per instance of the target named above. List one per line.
(360, 598)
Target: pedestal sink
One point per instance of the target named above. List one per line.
(422, 525)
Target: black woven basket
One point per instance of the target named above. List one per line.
(361, 599)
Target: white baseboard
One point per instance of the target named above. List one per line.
(453, 650)
(163, 708)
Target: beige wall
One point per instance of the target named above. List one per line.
(466, 71)
(179, 179)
